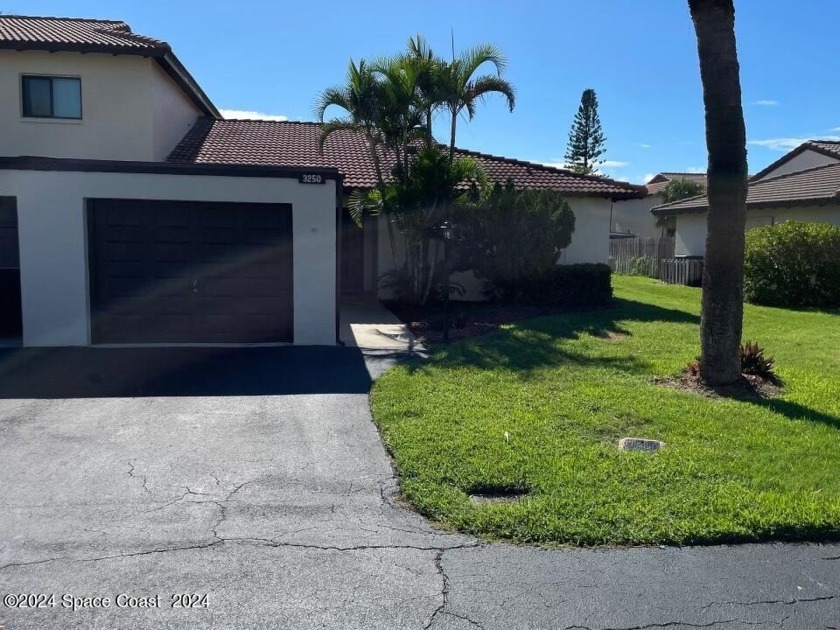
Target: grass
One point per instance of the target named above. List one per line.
(540, 406)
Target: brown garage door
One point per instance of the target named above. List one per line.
(190, 272)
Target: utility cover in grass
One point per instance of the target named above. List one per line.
(640, 444)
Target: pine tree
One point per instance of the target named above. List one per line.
(586, 139)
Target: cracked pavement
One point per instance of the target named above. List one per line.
(256, 476)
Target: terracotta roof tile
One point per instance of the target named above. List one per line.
(813, 186)
(19, 32)
(660, 181)
(296, 144)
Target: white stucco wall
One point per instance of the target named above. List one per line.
(172, 114)
(633, 215)
(591, 239)
(590, 244)
(805, 160)
(53, 243)
(130, 108)
(691, 228)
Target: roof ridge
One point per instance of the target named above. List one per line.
(552, 169)
(60, 19)
(265, 120)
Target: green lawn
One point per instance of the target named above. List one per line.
(541, 405)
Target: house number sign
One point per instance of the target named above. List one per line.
(311, 178)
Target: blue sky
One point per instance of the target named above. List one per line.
(639, 55)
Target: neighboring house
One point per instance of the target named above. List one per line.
(632, 217)
(140, 216)
(803, 185)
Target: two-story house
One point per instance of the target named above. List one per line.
(131, 212)
(115, 245)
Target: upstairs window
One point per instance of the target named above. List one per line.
(52, 97)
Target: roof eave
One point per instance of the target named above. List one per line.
(756, 205)
(113, 49)
(179, 73)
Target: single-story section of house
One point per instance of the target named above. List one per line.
(632, 217)
(119, 252)
(366, 253)
(803, 185)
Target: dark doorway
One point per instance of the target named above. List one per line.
(11, 319)
(352, 256)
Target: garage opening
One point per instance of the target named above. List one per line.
(190, 272)
(11, 320)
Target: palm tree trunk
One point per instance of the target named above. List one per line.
(452, 135)
(721, 320)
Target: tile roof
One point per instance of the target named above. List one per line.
(20, 32)
(296, 144)
(818, 185)
(831, 148)
(658, 183)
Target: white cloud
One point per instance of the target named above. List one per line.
(606, 165)
(786, 144)
(641, 179)
(644, 146)
(247, 114)
(767, 102)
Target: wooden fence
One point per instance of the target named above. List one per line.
(640, 256)
(687, 271)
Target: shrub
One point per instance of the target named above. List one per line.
(754, 362)
(570, 286)
(641, 266)
(793, 264)
(512, 236)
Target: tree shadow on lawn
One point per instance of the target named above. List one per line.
(795, 411)
(529, 345)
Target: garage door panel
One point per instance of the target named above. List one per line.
(182, 272)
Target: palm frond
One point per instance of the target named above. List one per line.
(487, 84)
(472, 58)
(361, 202)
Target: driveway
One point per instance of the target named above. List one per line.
(255, 476)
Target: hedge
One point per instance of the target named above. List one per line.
(793, 264)
(569, 286)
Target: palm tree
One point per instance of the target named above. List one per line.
(362, 98)
(461, 91)
(723, 269)
(428, 66)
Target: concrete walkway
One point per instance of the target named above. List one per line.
(254, 481)
(367, 324)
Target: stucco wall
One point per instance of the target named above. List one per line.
(53, 243)
(691, 228)
(173, 114)
(591, 240)
(130, 109)
(805, 160)
(633, 215)
(590, 244)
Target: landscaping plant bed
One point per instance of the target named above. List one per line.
(467, 319)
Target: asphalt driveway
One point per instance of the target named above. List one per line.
(256, 477)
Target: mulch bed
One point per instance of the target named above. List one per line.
(750, 387)
(469, 319)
